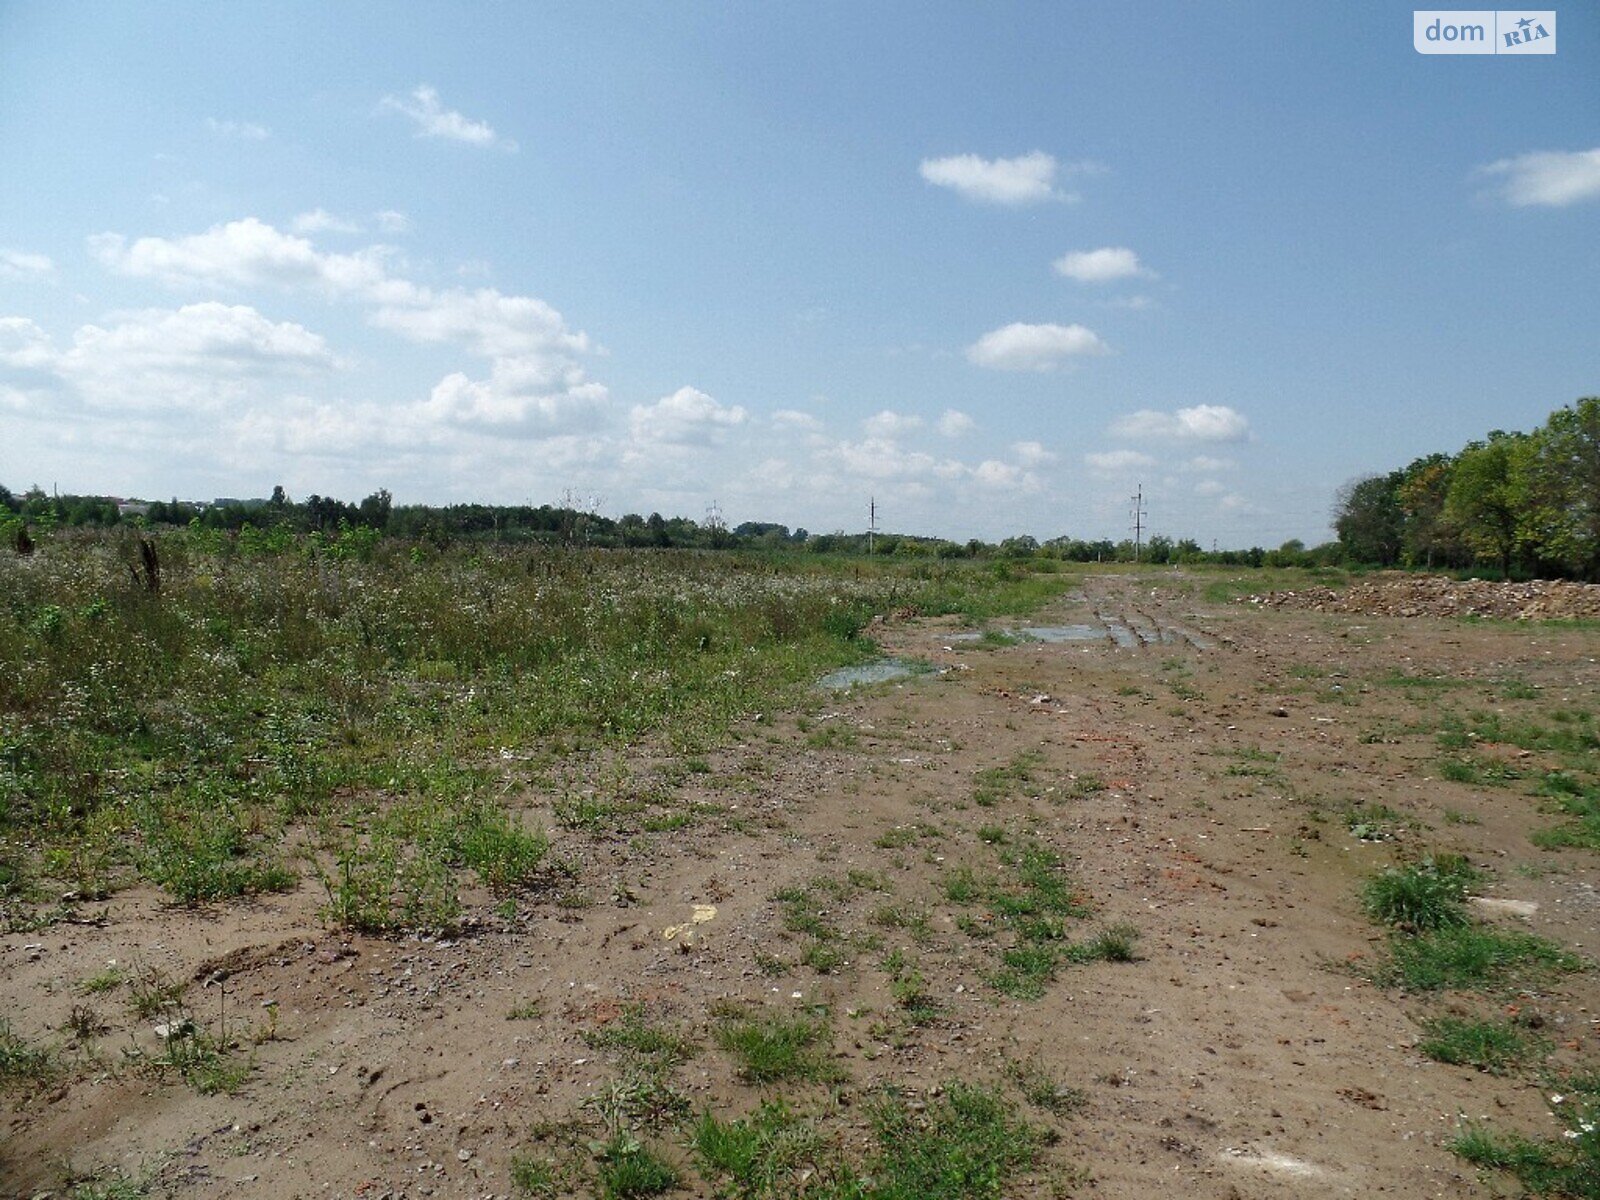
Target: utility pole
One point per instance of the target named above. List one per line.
(1139, 514)
(872, 521)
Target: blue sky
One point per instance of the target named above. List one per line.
(995, 265)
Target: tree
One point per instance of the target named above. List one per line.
(1562, 487)
(1487, 491)
(1368, 519)
(1426, 534)
(374, 510)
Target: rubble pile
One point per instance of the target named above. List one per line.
(1397, 594)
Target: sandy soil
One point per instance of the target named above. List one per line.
(1239, 1056)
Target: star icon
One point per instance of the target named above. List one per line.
(1524, 23)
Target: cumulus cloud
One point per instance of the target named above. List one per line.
(17, 264)
(391, 221)
(1548, 178)
(243, 253)
(1105, 265)
(1202, 423)
(1209, 487)
(992, 473)
(887, 424)
(320, 220)
(244, 131)
(688, 417)
(25, 346)
(522, 397)
(1118, 460)
(535, 387)
(485, 320)
(1033, 454)
(1022, 347)
(953, 423)
(196, 358)
(1011, 182)
(433, 120)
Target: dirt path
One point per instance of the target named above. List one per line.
(1193, 772)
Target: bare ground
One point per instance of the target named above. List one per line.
(1194, 788)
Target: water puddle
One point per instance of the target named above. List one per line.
(1062, 633)
(881, 671)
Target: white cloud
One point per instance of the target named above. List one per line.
(1020, 347)
(953, 423)
(1134, 303)
(1204, 462)
(243, 253)
(485, 320)
(1104, 265)
(433, 120)
(391, 221)
(24, 345)
(1033, 454)
(16, 264)
(1210, 487)
(1202, 423)
(244, 131)
(1118, 460)
(524, 397)
(535, 386)
(201, 357)
(320, 220)
(688, 417)
(1549, 178)
(1013, 182)
(887, 424)
(992, 473)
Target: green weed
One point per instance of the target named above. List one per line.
(771, 1048)
(1472, 956)
(1492, 1046)
(1568, 1166)
(1427, 895)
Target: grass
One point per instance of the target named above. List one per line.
(1580, 803)
(1029, 902)
(1373, 822)
(1040, 1089)
(1018, 777)
(1422, 896)
(21, 1064)
(1492, 1046)
(634, 1034)
(629, 1169)
(1472, 956)
(293, 692)
(1568, 1166)
(771, 1048)
(966, 1143)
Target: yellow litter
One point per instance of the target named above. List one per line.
(702, 913)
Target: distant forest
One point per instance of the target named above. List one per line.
(279, 522)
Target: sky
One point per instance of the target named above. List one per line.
(996, 267)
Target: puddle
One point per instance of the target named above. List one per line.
(1120, 633)
(881, 671)
(1062, 633)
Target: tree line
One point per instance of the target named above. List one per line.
(1519, 503)
(275, 522)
